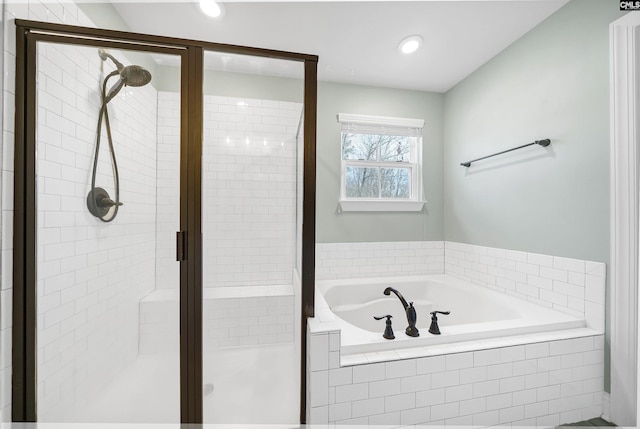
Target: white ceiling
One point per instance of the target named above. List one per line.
(357, 41)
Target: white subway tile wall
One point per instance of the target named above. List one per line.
(572, 286)
(91, 274)
(538, 384)
(168, 188)
(57, 12)
(378, 259)
(249, 184)
(249, 191)
(233, 322)
(249, 200)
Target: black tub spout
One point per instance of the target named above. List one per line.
(388, 291)
(409, 309)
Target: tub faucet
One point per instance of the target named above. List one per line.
(411, 330)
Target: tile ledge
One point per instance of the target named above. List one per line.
(465, 346)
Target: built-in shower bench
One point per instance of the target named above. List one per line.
(232, 316)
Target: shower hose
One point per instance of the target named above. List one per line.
(98, 197)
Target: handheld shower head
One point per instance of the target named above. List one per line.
(129, 76)
(135, 75)
(132, 75)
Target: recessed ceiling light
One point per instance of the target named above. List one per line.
(410, 44)
(212, 8)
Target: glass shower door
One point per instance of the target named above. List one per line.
(252, 148)
(117, 149)
(108, 199)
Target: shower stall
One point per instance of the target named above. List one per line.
(164, 230)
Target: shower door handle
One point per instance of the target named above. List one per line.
(181, 246)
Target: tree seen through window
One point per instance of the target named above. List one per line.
(370, 181)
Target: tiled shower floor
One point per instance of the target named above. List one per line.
(251, 385)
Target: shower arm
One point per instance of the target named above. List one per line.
(104, 55)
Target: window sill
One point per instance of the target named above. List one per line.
(380, 206)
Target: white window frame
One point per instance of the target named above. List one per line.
(391, 126)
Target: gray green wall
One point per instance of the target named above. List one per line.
(331, 226)
(552, 83)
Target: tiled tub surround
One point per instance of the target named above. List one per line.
(378, 259)
(572, 286)
(542, 379)
(553, 378)
(239, 316)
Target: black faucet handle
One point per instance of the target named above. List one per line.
(434, 328)
(388, 316)
(388, 330)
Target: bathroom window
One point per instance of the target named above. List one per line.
(381, 163)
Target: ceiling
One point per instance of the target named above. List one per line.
(356, 41)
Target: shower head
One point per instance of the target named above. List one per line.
(129, 75)
(132, 75)
(135, 76)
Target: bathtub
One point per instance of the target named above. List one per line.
(477, 312)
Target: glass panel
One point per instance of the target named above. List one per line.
(395, 182)
(362, 182)
(362, 147)
(107, 279)
(376, 147)
(251, 172)
(395, 148)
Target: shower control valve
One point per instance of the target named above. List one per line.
(108, 202)
(99, 204)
